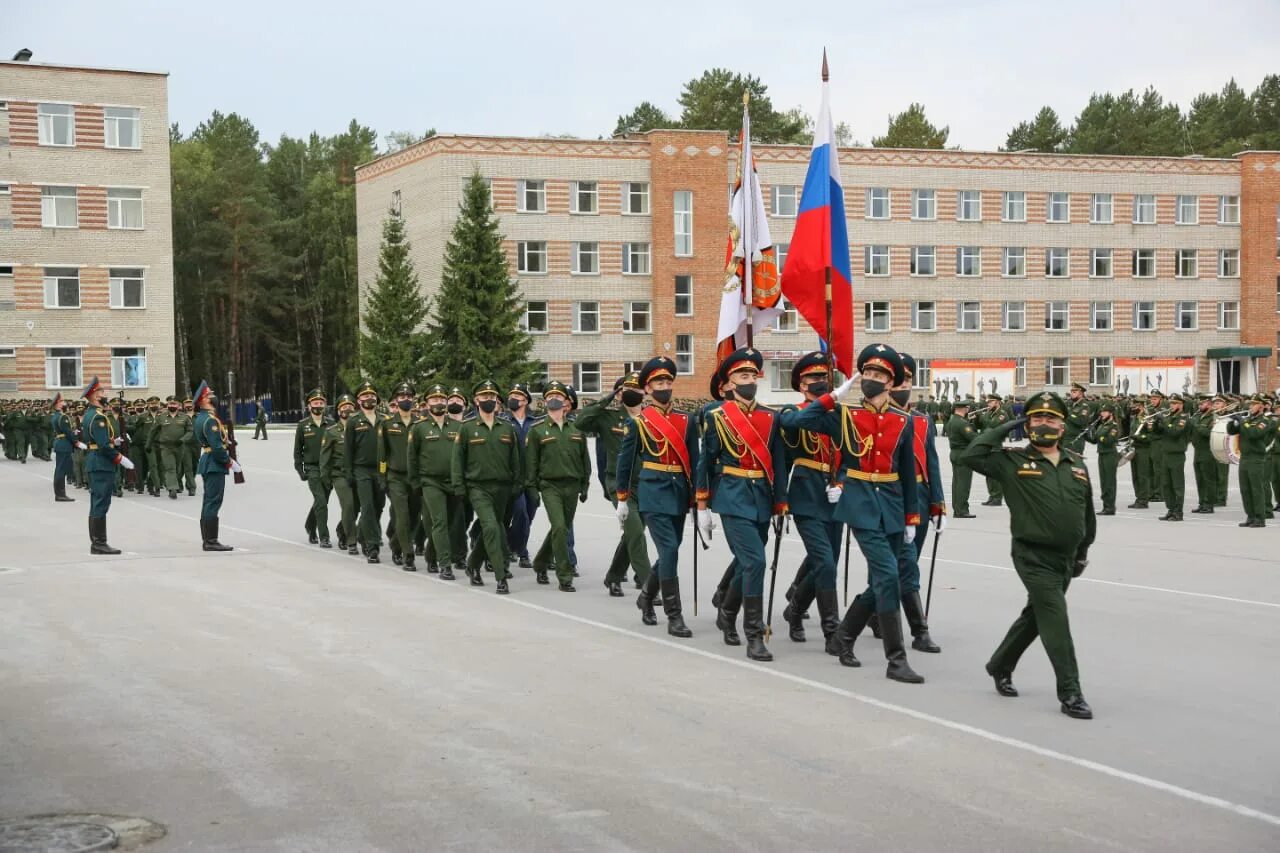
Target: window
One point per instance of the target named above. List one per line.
(968, 316)
(1057, 317)
(1015, 262)
(1144, 210)
(1057, 371)
(785, 201)
(780, 255)
(536, 317)
(684, 223)
(1020, 372)
(1229, 316)
(586, 377)
(969, 206)
(532, 196)
(126, 288)
(540, 374)
(1058, 208)
(1144, 263)
(636, 318)
(1188, 263)
(58, 207)
(1188, 210)
(1100, 370)
(1144, 316)
(1100, 263)
(1015, 207)
(62, 367)
(1056, 263)
(584, 197)
(1228, 263)
(968, 260)
(124, 208)
(1228, 210)
(923, 377)
(1186, 316)
(924, 204)
(923, 260)
(128, 367)
(635, 199)
(1100, 209)
(1101, 317)
(57, 124)
(635, 258)
(684, 296)
(788, 320)
(876, 316)
(61, 287)
(780, 374)
(586, 258)
(586, 317)
(8, 352)
(684, 355)
(1013, 317)
(877, 203)
(4, 189)
(531, 257)
(122, 127)
(395, 203)
(924, 316)
(877, 260)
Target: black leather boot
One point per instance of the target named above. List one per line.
(727, 616)
(753, 627)
(671, 606)
(855, 619)
(645, 600)
(433, 568)
(898, 669)
(793, 615)
(98, 537)
(874, 624)
(446, 572)
(913, 609)
(209, 531)
(829, 617)
(408, 562)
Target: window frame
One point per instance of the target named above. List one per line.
(1049, 208)
(45, 130)
(1222, 315)
(961, 309)
(1097, 365)
(929, 198)
(119, 367)
(965, 198)
(1008, 200)
(870, 253)
(777, 194)
(1101, 256)
(529, 313)
(1139, 310)
(1181, 204)
(630, 312)
(1180, 308)
(1142, 203)
(109, 122)
(1225, 206)
(917, 253)
(678, 296)
(962, 255)
(524, 188)
(57, 281)
(683, 354)
(1095, 312)
(581, 373)
(918, 311)
(682, 218)
(1223, 258)
(1051, 365)
(115, 290)
(524, 252)
(1102, 203)
(628, 249)
(874, 310)
(1009, 309)
(788, 320)
(576, 193)
(1055, 311)
(116, 208)
(872, 199)
(1180, 258)
(1049, 255)
(580, 311)
(51, 195)
(78, 358)
(630, 193)
(1006, 255)
(578, 251)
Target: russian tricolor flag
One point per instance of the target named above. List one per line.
(820, 244)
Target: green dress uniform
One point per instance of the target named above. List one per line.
(960, 434)
(64, 442)
(171, 431)
(101, 462)
(215, 463)
(1203, 463)
(1273, 468)
(362, 474)
(991, 419)
(1079, 415)
(155, 473)
(141, 441)
(189, 458)
(1256, 434)
(1052, 521)
(1142, 469)
(395, 446)
(486, 467)
(16, 434)
(307, 440)
(558, 467)
(1155, 452)
(1106, 434)
(431, 474)
(333, 457)
(1173, 433)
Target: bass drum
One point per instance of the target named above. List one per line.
(1226, 448)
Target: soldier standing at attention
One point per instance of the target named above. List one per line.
(558, 466)
(1256, 432)
(486, 466)
(1202, 461)
(1155, 450)
(307, 441)
(1079, 416)
(63, 442)
(171, 430)
(431, 474)
(1140, 467)
(215, 463)
(1173, 432)
(1106, 434)
(362, 470)
(960, 433)
(333, 457)
(260, 422)
(1051, 518)
(395, 446)
(662, 443)
(103, 457)
(993, 417)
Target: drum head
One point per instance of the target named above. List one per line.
(1225, 447)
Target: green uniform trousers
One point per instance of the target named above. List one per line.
(319, 501)
(1141, 473)
(370, 498)
(101, 486)
(437, 501)
(1046, 573)
(1253, 487)
(404, 512)
(961, 484)
(560, 501)
(155, 469)
(632, 550)
(77, 468)
(1273, 498)
(1173, 484)
(1206, 471)
(215, 483)
(1157, 472)
(347, 508)
(170, 460)
(192, 460)
(1108, 465)
(995, 491)
(489, 501)
(1224, 480)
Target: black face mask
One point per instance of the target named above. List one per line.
(901, 398)
(404, 405)
(746, 392)
(488, 406)
(455, 408)
(872, 388)
(817, 389)
(317, 410)
(1043, 435)
(555, 405)
(368, 404)
(632, 397)
(173, 410)
(662, 396)
(344, 414)
(439, 408)
(514, 403)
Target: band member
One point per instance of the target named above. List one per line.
(1256, 431)
(362, 470)
(64, 441)
(215, 463)
(960, 432)
(103, 455)
(1105, 433)
(662, 442)
(1173, 431)
(307, 442)
(992, 417)
(486, 467)
(1203, 465)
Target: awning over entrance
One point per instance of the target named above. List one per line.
(1239, 352)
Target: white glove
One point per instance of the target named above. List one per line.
(706, 523)
(622, 511)
(1, 436)
(119, 441)
(834, 493)
(125, 463)
(235, 467)
(82, 445)
(942, 522)
(846, 386)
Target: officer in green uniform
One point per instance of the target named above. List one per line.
(171, 430)
(486, 466)
(333, 456)
(960, 433)
(307, 440)
(361, 470)
(1203, 463)
(215, 464)
(1256, 432)
(1273, 466)
(1156, 407)
(1079, 415)
(64, 440)
(189, 458)
(155, 472)
(456, 409)
(431, 475)
(260, 422)
(104, 456)
(1218, 407)
(1172, 428)
(395, 446)
(1105, 433)
(140, 436)
(1142, 472)
(558, 467)
(16, 433)
(1052, 522)
(992, 418)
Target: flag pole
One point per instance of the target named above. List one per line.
(826, 237)
(748, 224)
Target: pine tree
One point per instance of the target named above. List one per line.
(911, 129)
(393, 346)
(475, 331)
(1044, 133)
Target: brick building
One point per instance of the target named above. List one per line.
(1001, 271)
(86, 255)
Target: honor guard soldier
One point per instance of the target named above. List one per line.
(431, 473)
(486, 467)
(64, 441)
(1173, 432)
(1079, 416)
(1051, 518)
(333, 458)
(878, 495)
(992, 417)
(103, 455)
(171, 430)
(742, 475)
(215, 464)
(308, 439)
(1256, 431)
(558, 466)
(362, 470)
(1106, 434)
(395, 446)
(662, 444)
(960, 433)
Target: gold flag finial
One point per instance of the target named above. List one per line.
(746, 96)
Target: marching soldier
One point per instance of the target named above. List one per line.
(558, 467)
(431, 474)
(215, 463)
(960, 433)
(155, 470)
(260, 423)
(456, 408)
(993, 417)
(308, 439)
(486, 466)
(1256, 432)
(104, 456)
(1173, 431)
(333, 457)
(1052, 521)
(1106, 434)
(171, 430)
(116, 414)
(64, 441)
(662, 444)
(1079, 416)
(523, 504)
(395, 446)
(361, 470)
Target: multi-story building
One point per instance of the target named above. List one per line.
(86, 255)
(998, 271)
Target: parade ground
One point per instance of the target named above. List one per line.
(284, 697)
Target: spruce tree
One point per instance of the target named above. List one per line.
(393, 346)
(475, 330)
(912, 129)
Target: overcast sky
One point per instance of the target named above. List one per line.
(529, 68)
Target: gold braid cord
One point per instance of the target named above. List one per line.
(860, 446)
(735, 446)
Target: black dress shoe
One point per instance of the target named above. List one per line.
(567, 586)
(1076, 708)
(992, 502)
(1246, 523)
(1257, 522)
(526, 563)
(1202, 508)
(173, 495)
(615, 589)
(502, 587)
(372, 556)
(354, 550)
(1004, 685)
(1138, 505)
(446, 572)
(1107, 512)
(542, 578)
(312, 538)
(396, 558)
(477, 579)
(964, 515)
(63, 499)
(325, 543)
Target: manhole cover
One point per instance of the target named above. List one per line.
(55, 835)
